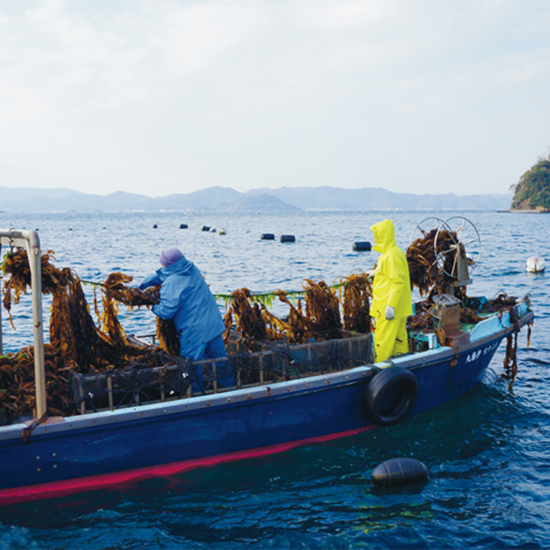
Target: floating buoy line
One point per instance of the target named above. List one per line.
(359, 246)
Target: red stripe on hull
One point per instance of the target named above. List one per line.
(63, 488)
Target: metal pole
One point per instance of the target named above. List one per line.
(33, 252)
(30, 241)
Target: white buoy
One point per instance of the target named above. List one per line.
(535, 264)
(213, 230)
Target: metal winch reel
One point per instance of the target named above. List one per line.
(464, 235)
(457, 260)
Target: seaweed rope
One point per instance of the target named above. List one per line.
(265, 298)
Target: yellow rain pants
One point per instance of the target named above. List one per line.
(390, 338)
(391, 287)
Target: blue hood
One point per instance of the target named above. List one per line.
(182, 267)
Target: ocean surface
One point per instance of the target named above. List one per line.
(488, 452)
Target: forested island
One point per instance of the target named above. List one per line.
(532, 192)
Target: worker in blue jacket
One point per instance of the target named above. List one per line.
(186, 298)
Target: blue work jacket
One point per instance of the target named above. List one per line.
(186, 298)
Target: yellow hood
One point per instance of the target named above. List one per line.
(384, 235)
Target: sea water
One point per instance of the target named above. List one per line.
(488, 452)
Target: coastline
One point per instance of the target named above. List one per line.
(531, 211)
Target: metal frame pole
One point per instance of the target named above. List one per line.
(30, 241)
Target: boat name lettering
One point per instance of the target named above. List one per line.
(477, 354)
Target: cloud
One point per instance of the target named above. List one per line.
(247, 93)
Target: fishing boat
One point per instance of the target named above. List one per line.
(299, 395)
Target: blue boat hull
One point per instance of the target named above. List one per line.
(106, 448)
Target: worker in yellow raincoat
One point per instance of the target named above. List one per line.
(391, 289)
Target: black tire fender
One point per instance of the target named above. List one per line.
(390, 395)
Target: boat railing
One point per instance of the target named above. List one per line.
(184, 379)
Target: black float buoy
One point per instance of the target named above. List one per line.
(361, 245)
(267, 237)
(288, 238)
(155, 226)
(398, 472)
(183, 226)
(205, 228)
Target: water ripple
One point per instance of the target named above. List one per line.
(488, 452)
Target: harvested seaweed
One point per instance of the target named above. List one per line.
(76, 343)
(355, 297)
(255, 325)
(323, 309)
(431, 260)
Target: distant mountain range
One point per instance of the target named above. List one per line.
(225, 199)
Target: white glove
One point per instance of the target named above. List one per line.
(370, 274)
(390, 313)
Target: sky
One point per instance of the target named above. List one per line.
(169, 96)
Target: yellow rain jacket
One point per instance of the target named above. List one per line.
(391, 287)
